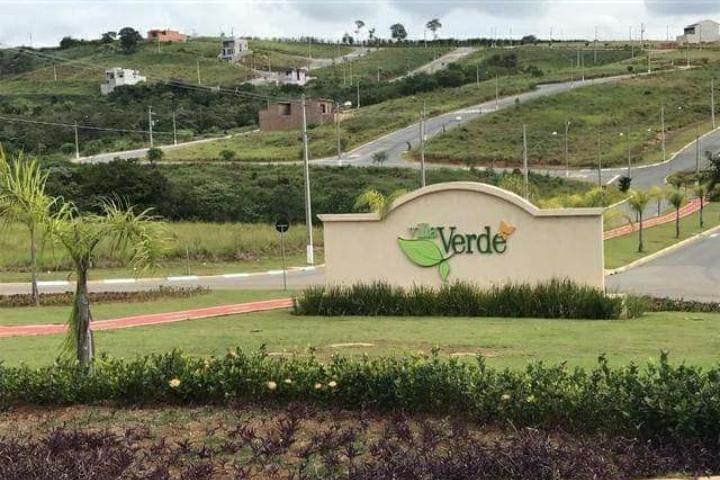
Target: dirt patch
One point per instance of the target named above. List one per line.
(350, 345)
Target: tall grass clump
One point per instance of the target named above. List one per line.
(552, 299)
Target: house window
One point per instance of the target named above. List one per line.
(323, 108)
(284, 109)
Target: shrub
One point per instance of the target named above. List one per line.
(657, 401)
(227, 155)
(552, 299)
(66, 298)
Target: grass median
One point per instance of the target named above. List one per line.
(507, 342)
(623, 250)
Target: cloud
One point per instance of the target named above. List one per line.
(683, 7)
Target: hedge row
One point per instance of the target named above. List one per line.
(657, 401)
(66, 298)
(551, 299)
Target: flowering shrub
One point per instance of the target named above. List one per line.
(552, 299)
(656, 401)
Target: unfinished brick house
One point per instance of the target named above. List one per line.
(165, 36)
(288, 115)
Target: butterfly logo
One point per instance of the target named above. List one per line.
(506, 229)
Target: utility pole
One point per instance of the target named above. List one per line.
(572, 72)
(627, 143)
(497, 93)
(567, 148)
(150, 126)
(174, 129)
(337, 133)
(358, 93)
(477, 75)
(649, 65)
(712, 102)
(526, 179)
(632, 45)
(595, 46)
(55, 72)
(687, 54)
(599, 164)
(422, 146)
(308, 208)
(662, 126)
(378, 75)
(198, 71)
(697, 154)
(77, 142)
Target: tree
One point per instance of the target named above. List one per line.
(398, 32)
(638, 200)
(129, 38)
(378, 158)
(371, 35)
(701, 191)
(108, 37)
(377, 202)
(359, 24)
(434, 25)
(624, 183)
(529, 40)
(138, 234)
(677, 199)
(656, 193)
(348, 39)
(23, 200)
(155, 154)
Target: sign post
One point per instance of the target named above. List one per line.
(282, 226)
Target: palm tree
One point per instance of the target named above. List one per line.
(701, 191)
(656, 193)
(376, 201)
(434, 25)
(638, 200)
(23, 201)
(125, 231)
(677, 199)
(371, 35)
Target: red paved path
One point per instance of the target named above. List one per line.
(151, 319)
(691, 207)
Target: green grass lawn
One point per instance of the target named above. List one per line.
(104, 311)
(301, 49)
(620, 251)
(391, 62)
(598, 115)
(694, 338)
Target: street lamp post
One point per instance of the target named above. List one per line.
(306, 167)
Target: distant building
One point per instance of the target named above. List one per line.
(294, 76)
(165, 36)
(706, 31)
(118, 77)
(288, 115)
(233, 49)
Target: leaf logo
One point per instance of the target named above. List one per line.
(425, 253)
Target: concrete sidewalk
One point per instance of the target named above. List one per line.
(691, 207)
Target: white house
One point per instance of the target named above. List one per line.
(233, 49)
(706, 31)
(117, 77)
(294, 76)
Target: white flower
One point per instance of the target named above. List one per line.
(288, 381)
(271, 385)
(505, 397)
(318, 386)
(174, 383)
(332, 384)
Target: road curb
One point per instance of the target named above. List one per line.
(664, 251)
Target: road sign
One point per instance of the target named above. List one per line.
(282, 225)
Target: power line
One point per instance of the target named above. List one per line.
(79, 126)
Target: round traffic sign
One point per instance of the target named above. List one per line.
(282, 225)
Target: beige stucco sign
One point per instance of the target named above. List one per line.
(464, 231)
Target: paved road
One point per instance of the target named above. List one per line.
(141, 152)
(316, 63)
(296, 279)
(440, 63)
(692, 272)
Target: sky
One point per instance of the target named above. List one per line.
(44, 23)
